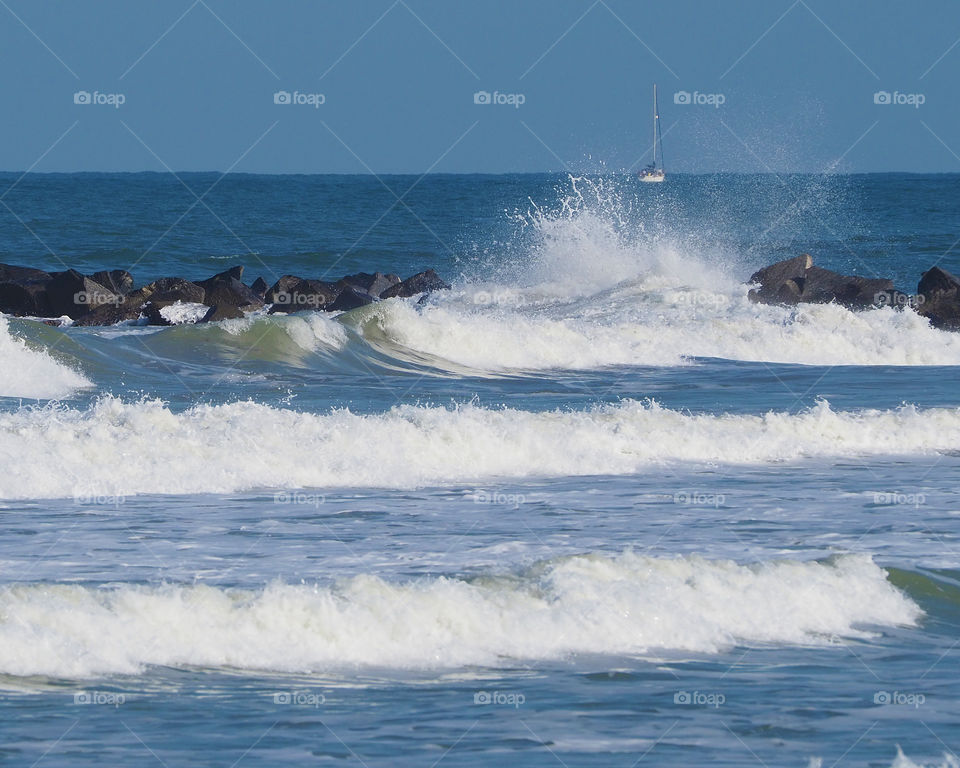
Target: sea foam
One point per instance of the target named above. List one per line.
(119, 448)
(626, 604)
(32, 373)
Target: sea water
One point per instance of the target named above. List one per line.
(591, 506)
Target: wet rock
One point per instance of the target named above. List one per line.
(938, 299)
(374, 284)
(111, 314)
(108, 297)
(170, 290)
(221, 312)
(797, 280)
(422, 282)
(295, 294)
(259, 287)
(821, 286)
(226, 289)
(25, 298)
(75, 295)
(117, 280)
(781, 283)
(13, 273)
(351, 298)
(284, 285)
(151, 312)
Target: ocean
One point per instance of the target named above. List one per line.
(589, 507)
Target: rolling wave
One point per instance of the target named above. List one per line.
(626, 604)
(29, 372)
(118, 448)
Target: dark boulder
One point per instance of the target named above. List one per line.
(821, 286)
(781, 283)
(226, 289)
(111, 314)
(259, 287)
(374, 284)
(170, 290)
(351, 298)
(797, 280)
(76, 295)
(285, 285)
(294, 294)
(422, 282)
(130, 308)
(117, 280)
(234, 273)
(221, 312)
(938, 299)
(151, 311)
(25, 298)
(936, 280)
(14, 274)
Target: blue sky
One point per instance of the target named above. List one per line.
(397, 81)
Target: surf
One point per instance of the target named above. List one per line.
(625, 604)
(126, 448)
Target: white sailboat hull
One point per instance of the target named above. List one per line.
(653, 177)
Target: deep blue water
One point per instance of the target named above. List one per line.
(589, 507)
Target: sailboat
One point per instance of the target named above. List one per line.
(654, 172)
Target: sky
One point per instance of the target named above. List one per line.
(492, 86)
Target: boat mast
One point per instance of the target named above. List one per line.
(655, 125)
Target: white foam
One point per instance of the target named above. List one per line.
(591, 292)
(32, 373)
(902, 761)
(667, 326)
(115, 448)
(627, 604)
(183, 312)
